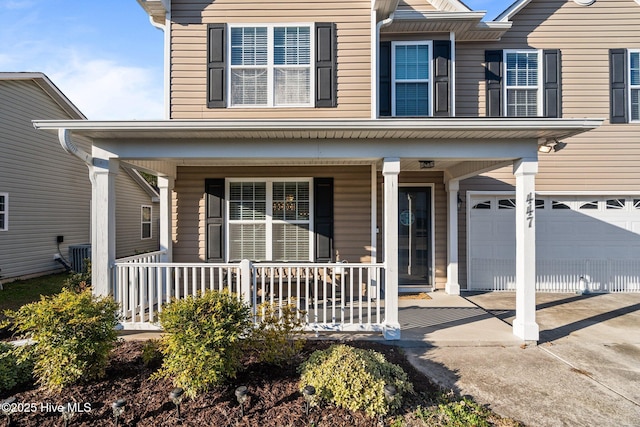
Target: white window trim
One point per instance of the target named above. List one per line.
(269, 221)
(631, 87)
(539, 88)
(5, 227)
(270, 66)
(142, 222)
(393, 74)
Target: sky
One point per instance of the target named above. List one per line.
(105, 56)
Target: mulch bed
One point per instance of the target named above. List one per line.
(274, 399)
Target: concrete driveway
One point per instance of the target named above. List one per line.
(584, 372)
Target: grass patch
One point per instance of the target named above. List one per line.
(21, 292)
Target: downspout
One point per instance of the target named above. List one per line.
(64, 136)
(375, 66)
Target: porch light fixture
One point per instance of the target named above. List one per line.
(426, 164)
(118, 408)
(242, 394)
(459, 202)
(390, 393)
(559, 145)
(548, 145)
(176, 396)
(308, 392)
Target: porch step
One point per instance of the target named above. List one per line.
(413, 289)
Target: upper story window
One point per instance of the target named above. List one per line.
(415, 79)
(522, 70)
(272, 65)
(4, 211)
(523, 83)
(624, 79)
(411, 89)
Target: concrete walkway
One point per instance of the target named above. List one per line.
(584, 372)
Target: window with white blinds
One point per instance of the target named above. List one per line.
(411, 78)
(271, 66)
(4, 214)
(522, 71)
(269, 220)
(634, 79)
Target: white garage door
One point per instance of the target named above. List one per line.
(593, 239)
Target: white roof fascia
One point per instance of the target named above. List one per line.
(511, 10)
(430, 14)
(156, 9)
(51, 89)
(135, 175)
(453, 5)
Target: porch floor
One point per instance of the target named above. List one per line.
(442, 320)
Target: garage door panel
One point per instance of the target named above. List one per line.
(588, 240)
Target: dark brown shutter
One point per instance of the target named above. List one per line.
(214, 190)
(442, 78)
(216, 66)
(323, 218)
(493, 78)
(384, 77)
(619, 85)
(552, 83)
(326, 65)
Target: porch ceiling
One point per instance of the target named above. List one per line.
(474, 129)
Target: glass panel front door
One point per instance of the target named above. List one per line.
(414, 236)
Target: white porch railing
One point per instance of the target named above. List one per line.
(333, 296)
(558, 275)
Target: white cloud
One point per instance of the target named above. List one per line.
(106, 90)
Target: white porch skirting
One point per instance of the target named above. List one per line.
(331, 296)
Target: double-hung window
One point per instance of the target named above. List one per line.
(523, 83)
(145, 222)
(411, 89)
(271, 66)
(269, 219)
(634, 84)
(4, 211)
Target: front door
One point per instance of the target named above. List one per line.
(414, 236)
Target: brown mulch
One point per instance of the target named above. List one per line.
(274, 399)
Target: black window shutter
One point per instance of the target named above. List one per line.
(493, 78)
(326, 65)
(619, 85)
(214, 189)
(216, 66)
(323, 218)
(442, 78)
(384, 78)
(552, 80)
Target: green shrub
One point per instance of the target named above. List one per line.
(73, 334)
(354, 379)
(151, 354)
(277, 337)
(14, 370)
(81, 281)
(202, 341)
(453, 411)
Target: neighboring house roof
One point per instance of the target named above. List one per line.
(518, 5)
(50, 89)
(143, 183)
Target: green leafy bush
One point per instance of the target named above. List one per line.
(81, 281)
(202, 341)
(151, 354)
(73, 335)
(354, 379)
(450, 410)
(14, 371)
(277, 337)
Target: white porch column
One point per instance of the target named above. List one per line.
(453, 285)
(524, 325)
(103, 223)
(165, 185)
(390, 171)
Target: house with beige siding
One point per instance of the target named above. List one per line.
(45, 194)
(340, 153)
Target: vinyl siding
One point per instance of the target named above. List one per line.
(49, 190)
(130, 198)
(352, 206)
(189, 49)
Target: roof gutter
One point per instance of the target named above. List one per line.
(64, 136)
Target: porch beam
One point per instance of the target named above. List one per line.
(390, 171)
(524, 325)
(103, 223)
(452, 286)
(165, 186)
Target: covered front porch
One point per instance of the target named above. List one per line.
(199, 247)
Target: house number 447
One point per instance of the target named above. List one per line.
(530, 209)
